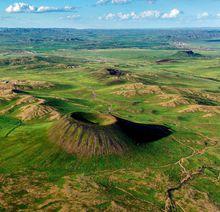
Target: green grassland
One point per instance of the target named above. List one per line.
(35, 174)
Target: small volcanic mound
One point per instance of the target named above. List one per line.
(133, 89)
(115, 72)
(9, 89)
(89, 134)
(29, 85)
(113, 76)
(37, 111)
(202, 108)
(173, 100)
(187, 53)
(25, 99)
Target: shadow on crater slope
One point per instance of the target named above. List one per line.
(87, 134)
(143, 133)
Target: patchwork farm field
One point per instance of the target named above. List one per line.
(109, 121)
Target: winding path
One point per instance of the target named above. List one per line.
(13, 129)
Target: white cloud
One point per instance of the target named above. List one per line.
(73, 17)
(112, 1)
(103, 2)
(174, 13)
(108, 16)
(150, 13)
(21, 7)
(119, 1)
(206, 15)
(143, 15)
(203, 15)
(131, 15)
(151, 1)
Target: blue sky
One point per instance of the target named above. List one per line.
(110, 13)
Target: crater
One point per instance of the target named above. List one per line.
(88, 134)
(95, 119)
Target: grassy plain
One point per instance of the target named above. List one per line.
(182, 94)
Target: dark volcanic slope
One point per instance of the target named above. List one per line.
(87, 134)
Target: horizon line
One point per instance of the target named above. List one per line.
(156, 28)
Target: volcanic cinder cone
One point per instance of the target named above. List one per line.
(87, 134)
